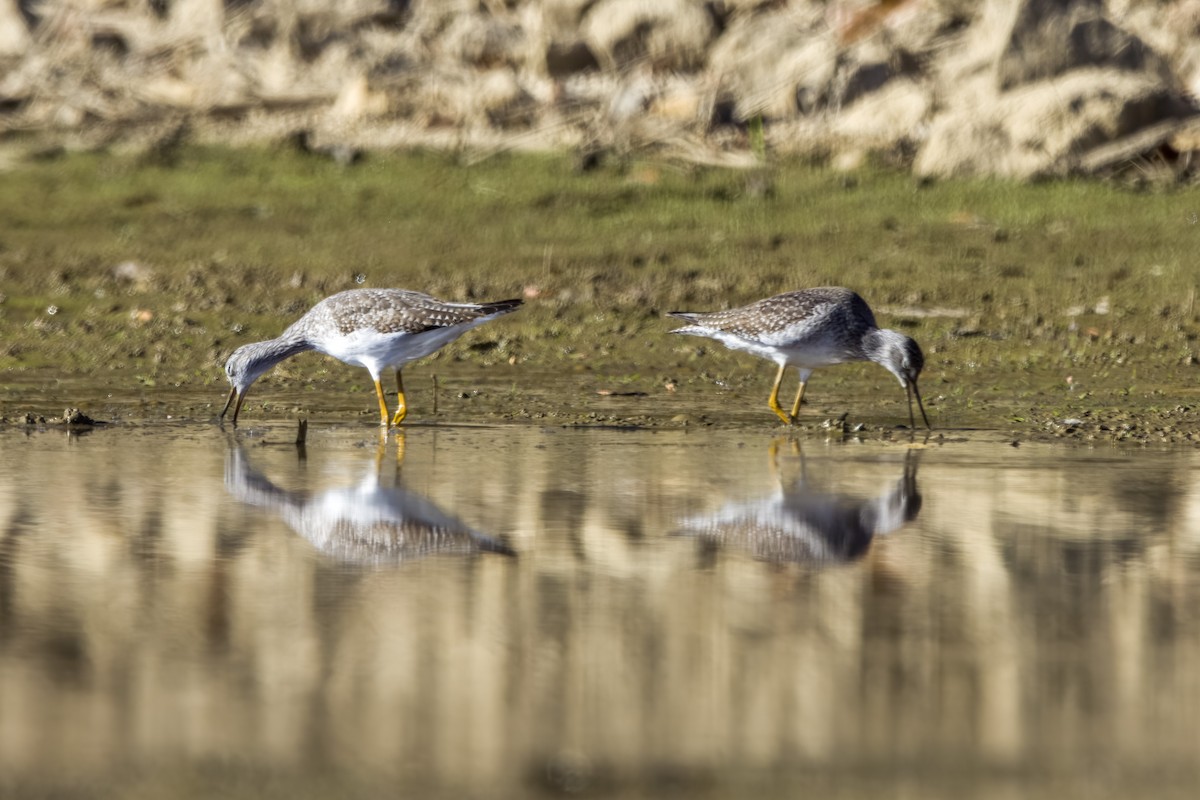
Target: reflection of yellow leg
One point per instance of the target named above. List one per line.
(381, 450)
(773, 402)
(402, 404)
(773, 453)
(383, 411)
(799, 397)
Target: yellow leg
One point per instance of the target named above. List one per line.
(799, 397)
(383, 410)
(402, 407)
(773, 402)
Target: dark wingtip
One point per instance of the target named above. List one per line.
(498, 546)
(502, 306)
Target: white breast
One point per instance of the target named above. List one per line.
(811, 356)
(376, 351)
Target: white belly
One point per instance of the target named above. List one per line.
(377, 352)
(813, 355)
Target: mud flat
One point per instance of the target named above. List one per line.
(1063, 310)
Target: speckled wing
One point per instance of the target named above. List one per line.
(812, 529)
(396, 311)
(766, 540)
(785, 318)
(396, 541)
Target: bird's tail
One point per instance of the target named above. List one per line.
(692, 317)
(499, 307)
(488, 544)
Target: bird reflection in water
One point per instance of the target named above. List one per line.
(368, 524)
(800, 523)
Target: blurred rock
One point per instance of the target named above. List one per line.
(1020, 88)
(356, 100)
(669, 34)
(1050, 38)
(1038, 84)
(14, 36)
(893, 116)
(776, 64)
(483, 41)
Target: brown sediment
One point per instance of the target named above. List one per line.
(1057, 311)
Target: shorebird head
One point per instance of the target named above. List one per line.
(902, 357)
(246, 365)
(243, 368)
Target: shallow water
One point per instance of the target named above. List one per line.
(514, 611)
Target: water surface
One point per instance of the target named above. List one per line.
(514, 611)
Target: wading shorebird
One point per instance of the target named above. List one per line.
(808, 329)
(373, 328)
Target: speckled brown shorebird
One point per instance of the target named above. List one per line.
(373, 328)
(808, 329)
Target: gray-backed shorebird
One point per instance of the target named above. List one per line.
(808, 329)
(373, 328)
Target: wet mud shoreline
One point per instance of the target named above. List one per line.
(1049, 312)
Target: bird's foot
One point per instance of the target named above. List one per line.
(787, 418)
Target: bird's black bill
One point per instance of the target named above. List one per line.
(911, 386)
(233, 394)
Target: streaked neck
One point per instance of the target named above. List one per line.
(266, 354)
(881, 346)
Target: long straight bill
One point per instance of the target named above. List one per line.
(911, 386)
(237, 407)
